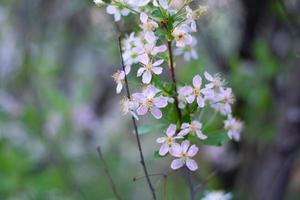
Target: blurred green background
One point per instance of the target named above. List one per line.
(58, 102)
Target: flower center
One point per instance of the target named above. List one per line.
(148, 67)
(196, 91)
(180, 37)
(184, 156)
(193, 128)
(147, 26)
(149, 103)
(169, 140)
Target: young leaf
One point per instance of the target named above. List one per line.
(148, 128)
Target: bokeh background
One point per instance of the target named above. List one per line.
(58, 102)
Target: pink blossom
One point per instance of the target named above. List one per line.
(168, 140)
(223, 101)
(194, 128)
(119, 78)
(184, 152)
(215, 82)
(234, 128)
(148, 27)
(148, 68)
(192, 93)
(129, 106)
(181, 35)
(148, 102)
(151, 49)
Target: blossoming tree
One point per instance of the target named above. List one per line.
(165, 31)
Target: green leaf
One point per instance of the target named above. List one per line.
(156, 13)
(217, 139)
(150, 128)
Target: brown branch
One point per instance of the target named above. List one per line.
(142, 161)
(112, 183)
(172, 70)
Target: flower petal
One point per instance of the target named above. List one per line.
(159, 49)
(127, 69)
(161, 139)
(177, 163)
(200, 135)
(111, 9)
(156, 112)
(208, 76)
(164, 149)
(144, 59)
(140, 71)
(190, 99)
(185, 145)
(143, 17)
(184, 125)
(158, 62)
(191, 164)
(186, 90)
(175, 150)
(184, 132)
(160, 102)
(150, 91)
(157, 70)
(193, 150)
(142, 110)
(171, 130)
(200, 102)
(197, 81)
(147, 76)
(150, 37)
(119, 88)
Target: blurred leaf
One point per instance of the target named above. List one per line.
(217, 139)
(150, 128)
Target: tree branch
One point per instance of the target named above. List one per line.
(172, 70)
(112, 184)
(142, 161)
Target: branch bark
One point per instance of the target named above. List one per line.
(173, 76)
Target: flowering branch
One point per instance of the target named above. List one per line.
(142, 161)
(113, 186)
(161, 22)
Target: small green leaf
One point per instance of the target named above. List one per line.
(217, 139)
(150, 128)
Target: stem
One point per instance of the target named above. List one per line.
(112, 184)
(172, 69)
(142, 161)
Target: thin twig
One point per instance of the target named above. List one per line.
(172, 70)
(142, 161)
(112, 183)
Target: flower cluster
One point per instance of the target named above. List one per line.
(148, 52)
